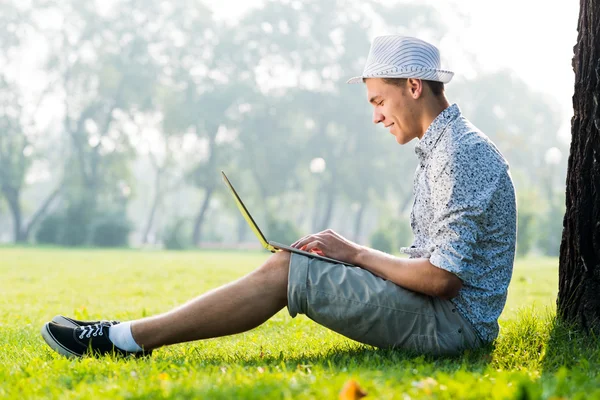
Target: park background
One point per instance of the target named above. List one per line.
(117, 116)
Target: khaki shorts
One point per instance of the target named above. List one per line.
(364, 307)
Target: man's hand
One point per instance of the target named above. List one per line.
(331, 245)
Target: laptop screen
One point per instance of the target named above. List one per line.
(247, 216)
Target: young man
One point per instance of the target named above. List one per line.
(445, 298)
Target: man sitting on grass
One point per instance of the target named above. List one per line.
(445, 298)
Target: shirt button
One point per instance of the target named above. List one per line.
(454, 310)
(460, 331)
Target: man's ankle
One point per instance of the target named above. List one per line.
(122, 338)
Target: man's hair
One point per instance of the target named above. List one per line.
(437, 88)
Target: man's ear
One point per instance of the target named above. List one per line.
(415, 87)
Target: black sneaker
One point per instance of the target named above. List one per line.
(73, 323)
(84, 340)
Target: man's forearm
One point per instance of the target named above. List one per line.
(418, 274)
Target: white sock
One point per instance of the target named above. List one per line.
(121, 337)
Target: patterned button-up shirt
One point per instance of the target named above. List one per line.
(464, 216)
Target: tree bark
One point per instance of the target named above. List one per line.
(579, 268)
(41, 211)
(316, 213)
(22, 231)
(358, 221)
(329, 203)
(405, 203)
(12, 196)
(242, 228)
(197, 234)
(330, 190)
(155, 202)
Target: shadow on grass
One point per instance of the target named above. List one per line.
(563, 362)
(351, 356)
(569, 347)
(532, 341)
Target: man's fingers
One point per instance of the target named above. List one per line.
(315, 244)
(295, 244)
(301, 242)
(322, 236)
(334, 234)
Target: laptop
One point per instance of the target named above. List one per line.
(267, 244)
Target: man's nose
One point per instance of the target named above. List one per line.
(377, 117)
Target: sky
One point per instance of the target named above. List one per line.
(534, 38)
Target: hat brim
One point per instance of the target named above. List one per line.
(438, 76)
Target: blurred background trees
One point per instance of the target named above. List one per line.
(116, 132)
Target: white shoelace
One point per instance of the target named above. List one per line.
(92, 330)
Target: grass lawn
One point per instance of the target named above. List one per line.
(284, 358)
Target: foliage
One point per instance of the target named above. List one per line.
(69, 227)
(111, 230)
(50, 230)
(525, 232)
(77, 221)
(165, 83)
(391, 235)
(78, 226)
(175, 236)
(550, 232)
(283, 358)
(530, 207)
(383, 239)
(516, 130)
(282, 230)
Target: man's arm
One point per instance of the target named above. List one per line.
(416, 274)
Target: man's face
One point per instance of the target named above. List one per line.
(395, 108)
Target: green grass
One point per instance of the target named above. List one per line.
(284, 358)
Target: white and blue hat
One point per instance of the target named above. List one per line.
(397, 56)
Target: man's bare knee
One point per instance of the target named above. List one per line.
(275, 269)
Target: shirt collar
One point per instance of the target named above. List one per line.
(435, 131)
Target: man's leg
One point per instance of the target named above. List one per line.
(233, 308)
(236, 307)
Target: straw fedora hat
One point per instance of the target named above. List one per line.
(395, 56)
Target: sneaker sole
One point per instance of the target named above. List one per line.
(59, 319)
(55, 345)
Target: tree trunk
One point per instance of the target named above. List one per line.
(12, 198)
(358, 221)
(579, 269)
(242, 228)
(155, 203)
(330, 189)
(316, 212)
(197, 235)
(329, 203)
(405, 203)
(41, 211)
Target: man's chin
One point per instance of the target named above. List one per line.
(401, 139)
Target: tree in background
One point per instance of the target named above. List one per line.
(102, 68)
(182, 40)
(579, 269)
(20, 143)
(153, 99)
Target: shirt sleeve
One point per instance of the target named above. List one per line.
(461, 193)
